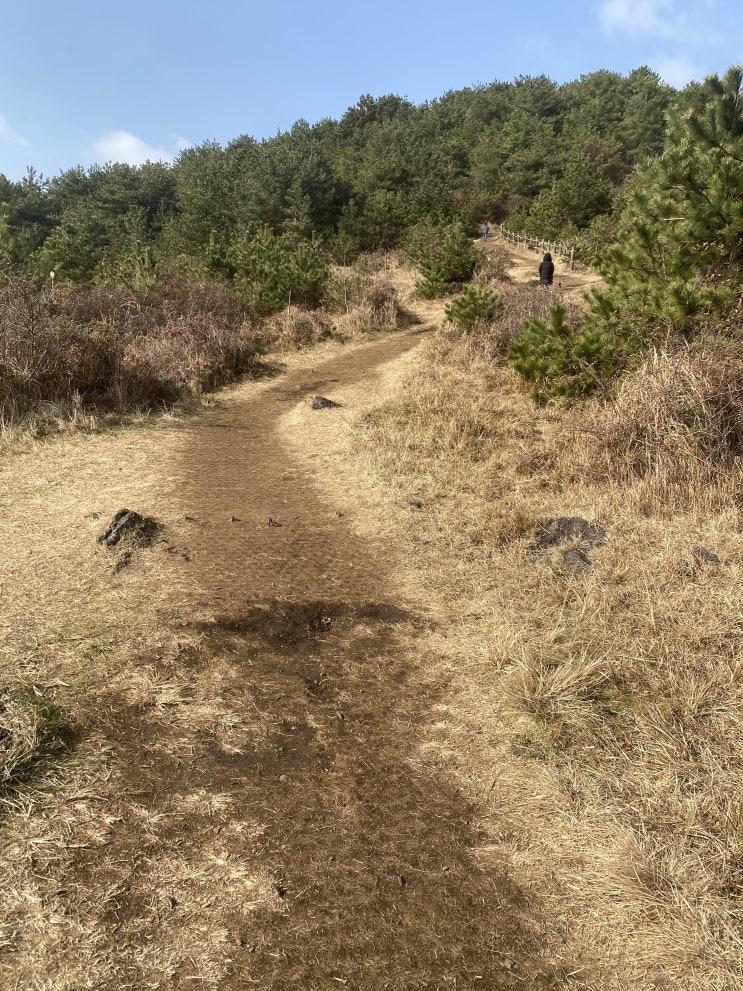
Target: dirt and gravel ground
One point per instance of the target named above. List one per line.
(261, 794)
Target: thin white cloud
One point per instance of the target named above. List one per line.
(8, 134)
(121, 146)
(677, 72)
(639, 18)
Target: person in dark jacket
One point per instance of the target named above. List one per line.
(546, 270)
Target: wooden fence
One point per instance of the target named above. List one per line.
(538, 244)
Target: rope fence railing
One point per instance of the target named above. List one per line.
(538, 244)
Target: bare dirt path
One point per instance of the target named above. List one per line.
(570, 283)
(264, 799)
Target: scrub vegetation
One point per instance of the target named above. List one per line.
(571, 710)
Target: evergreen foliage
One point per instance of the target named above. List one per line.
(561, 361)
(448, 257)
(531, 146)
(274, 271)
(475, 305)
(677, 254)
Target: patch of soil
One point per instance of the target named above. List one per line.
(270, 817)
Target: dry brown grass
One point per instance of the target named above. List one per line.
(610, 696)
(580, 728)
(672, 437)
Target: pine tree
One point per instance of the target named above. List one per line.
(678, 251)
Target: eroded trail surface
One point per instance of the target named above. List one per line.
(274, 807)
(356, 862)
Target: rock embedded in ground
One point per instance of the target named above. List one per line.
(132, 531)
(703, 556)
(320, 402)
(566, 529)
(576, 557)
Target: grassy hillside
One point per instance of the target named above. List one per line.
(605, 668)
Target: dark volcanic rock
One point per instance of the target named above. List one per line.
(129, 531)
(567, 540)
(703, 556)
(320, 402)
(566, 529)
(132, 529)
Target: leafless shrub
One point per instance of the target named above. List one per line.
(296, 327)
(493, 265)
(107, 348)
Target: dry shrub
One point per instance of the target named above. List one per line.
(296, 328)
(185, 357)
(171, 295)
(373, 305)
(493, 264)
(108, 348)
(674, 431)
(379, 301)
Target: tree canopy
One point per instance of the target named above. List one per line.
(532, 150)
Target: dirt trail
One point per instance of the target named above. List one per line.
(275, 809)
(569, 283)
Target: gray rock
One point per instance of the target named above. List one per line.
(320, 402)
(567, 529)
(703, 556)
(555, 539)
(576, 557)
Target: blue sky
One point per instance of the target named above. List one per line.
(89, 81)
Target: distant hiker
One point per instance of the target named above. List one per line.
(546, 270)
(485, 230)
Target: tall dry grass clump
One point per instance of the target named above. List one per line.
(672, 436)
(492, 266)
(364, 301)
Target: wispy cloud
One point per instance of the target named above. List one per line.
(639, 18)
(122, 146)
(8, 134)
(677, 72)
(680, 21)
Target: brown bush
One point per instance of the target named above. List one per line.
(108, 348)
(493, 265)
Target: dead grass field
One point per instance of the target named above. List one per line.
(609, 697)
(340, 727)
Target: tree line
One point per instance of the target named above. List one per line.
(546, 156)
(646, 181)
